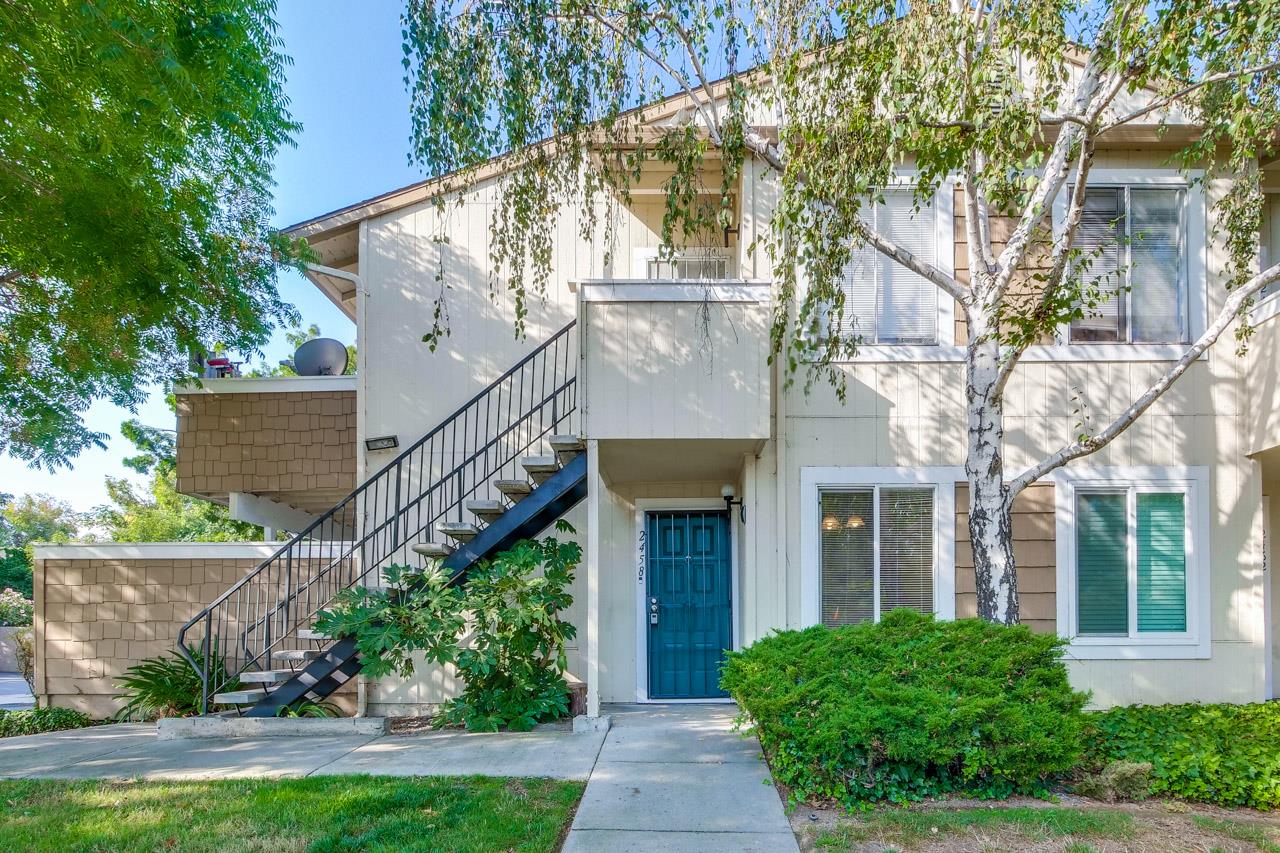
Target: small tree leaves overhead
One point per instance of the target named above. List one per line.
(135, 197)
(1002, 103)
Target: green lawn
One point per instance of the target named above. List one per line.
(329, 813)
(1001, 829)
(908, 828)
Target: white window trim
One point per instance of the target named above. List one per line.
(814, 479)
(643, 507)
(1194, 482)
(1197, 249)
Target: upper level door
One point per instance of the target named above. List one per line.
(688, 603)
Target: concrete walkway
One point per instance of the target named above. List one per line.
(678, 778)
(14, 693)
(133, 752)
(665, 777)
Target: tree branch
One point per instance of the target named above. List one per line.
(1087, 445)
(1160, 103)
(894, 252)
(1058, 257)
(713, 128)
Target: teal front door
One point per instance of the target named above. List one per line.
(687, 602)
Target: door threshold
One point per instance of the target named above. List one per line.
(713, 700)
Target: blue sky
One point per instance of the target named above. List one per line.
(346, 87)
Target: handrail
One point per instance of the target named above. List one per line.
(374, 526)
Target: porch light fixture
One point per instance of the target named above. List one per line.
(382, 442)
(726, 492)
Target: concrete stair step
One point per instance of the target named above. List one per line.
(515, 490)
(240, 697)
(267, 676)
(486, 511)
(458, 530)
(434, 550)
(567, 447)
(314, 635)
(295, 655)
(540, 468)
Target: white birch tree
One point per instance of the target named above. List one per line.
(1009, 98)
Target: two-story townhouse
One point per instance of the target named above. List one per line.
(717, 502)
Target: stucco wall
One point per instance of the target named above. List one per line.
(99, 609)
(298, 446)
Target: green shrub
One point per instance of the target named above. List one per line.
(1228, 755)
(513, 662)
(39, 720)
(26, 654)
(15, 609)
(167, 686)
(909, 708)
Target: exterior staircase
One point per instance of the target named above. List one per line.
(502, 468)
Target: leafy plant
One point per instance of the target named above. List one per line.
(167, 686)
(909, 708)
(1228, 755)
(36, 721)
(514, 664)
(512, 661)
(15, 570)
(15, 609)
(26, 654)
(310, 709)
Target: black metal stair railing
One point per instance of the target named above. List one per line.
(377, 524)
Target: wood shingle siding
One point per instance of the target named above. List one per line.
(297, 447)
(1033, 549)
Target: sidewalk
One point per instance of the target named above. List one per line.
(678, 778)
(664, 778)
(132, 751)
(14, 693)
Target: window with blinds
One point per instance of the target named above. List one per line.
(1131, 563)
(876, 552)
(1131, 241)
(884, 302)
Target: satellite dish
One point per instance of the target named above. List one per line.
(321, 357)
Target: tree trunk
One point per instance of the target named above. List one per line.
(990, 523)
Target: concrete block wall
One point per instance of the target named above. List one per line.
(100, 609)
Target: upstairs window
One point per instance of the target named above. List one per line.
(876, 552)
(1133, 240)
(884, 302)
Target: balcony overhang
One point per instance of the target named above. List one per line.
(287, 443)
(675, 359)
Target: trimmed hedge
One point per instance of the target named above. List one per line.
(1228, 755)
(909, 708)
(39, 720)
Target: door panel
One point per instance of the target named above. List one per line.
(689, 576)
